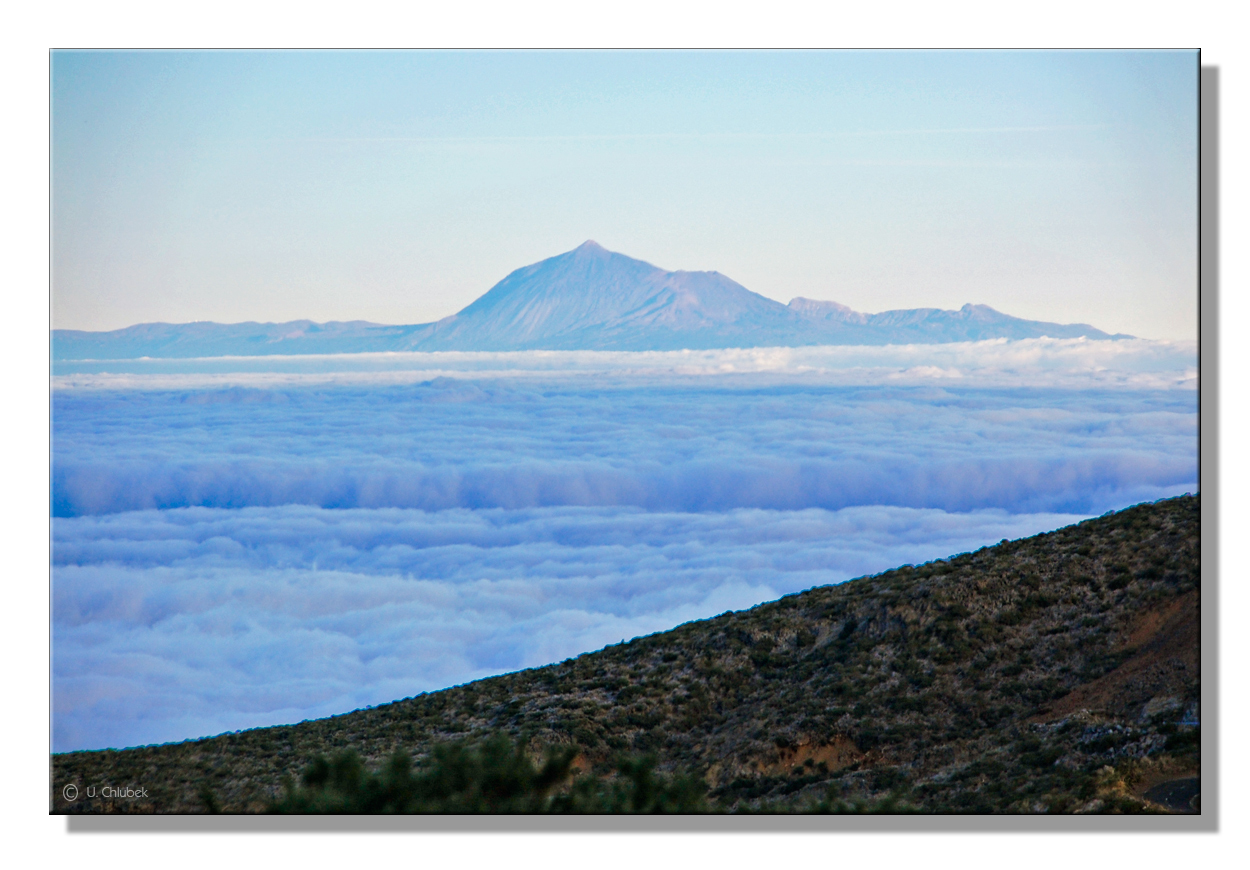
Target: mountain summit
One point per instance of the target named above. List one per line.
(589, 298)
(592, 298)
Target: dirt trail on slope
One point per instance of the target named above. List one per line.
(1164, 664)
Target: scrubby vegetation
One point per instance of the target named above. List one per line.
(497, 776)
(1058, 673)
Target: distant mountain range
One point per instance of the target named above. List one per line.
(587, 299)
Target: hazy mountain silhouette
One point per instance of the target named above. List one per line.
(587, 299)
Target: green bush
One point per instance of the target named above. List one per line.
(496, 776)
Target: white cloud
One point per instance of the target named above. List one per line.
(1041, 362)
(706, 446)
(229, 557)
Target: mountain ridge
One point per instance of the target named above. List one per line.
(589, 298)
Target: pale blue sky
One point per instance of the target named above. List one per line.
(397, 187)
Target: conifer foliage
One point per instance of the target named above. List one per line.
(495, 776)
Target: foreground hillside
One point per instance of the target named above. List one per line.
(1056, 673)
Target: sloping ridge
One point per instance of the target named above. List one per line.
(208, 339)
(1004, 680)
(937, 325)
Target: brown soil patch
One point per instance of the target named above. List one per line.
(1165, 663)
(838, 753)
(580, 764)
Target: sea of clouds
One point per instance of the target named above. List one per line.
(250, 542)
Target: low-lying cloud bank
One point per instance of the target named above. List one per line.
(239, 544)
(449, 444)
(180, 623)
(1038, 362)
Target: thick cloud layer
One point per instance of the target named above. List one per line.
(227, 556)
(173, 624)
(696, 447)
